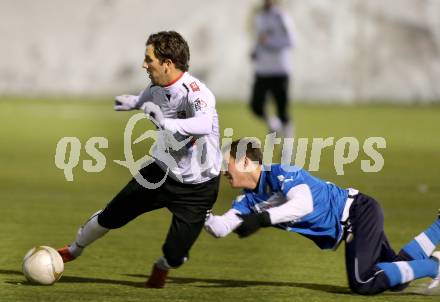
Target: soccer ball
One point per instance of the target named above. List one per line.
(43, 265)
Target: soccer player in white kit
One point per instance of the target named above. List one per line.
(185, 108)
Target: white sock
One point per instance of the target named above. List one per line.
(274, 124)
(288, 130)
(162, 263)
(87, 234)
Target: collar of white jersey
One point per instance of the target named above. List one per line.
(177, 82)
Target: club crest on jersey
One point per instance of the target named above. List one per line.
(194, 86)
(199, 104)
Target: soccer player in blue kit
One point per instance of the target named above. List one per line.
(291, 199)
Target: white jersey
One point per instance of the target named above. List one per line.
(189, 110)
(272, 57)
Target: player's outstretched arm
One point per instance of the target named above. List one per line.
(222, 225)
(128, 102)
(299, 203)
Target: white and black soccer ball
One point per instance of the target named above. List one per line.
(43, 265)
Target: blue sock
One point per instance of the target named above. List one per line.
(424, 244)
(433, 232)
(405, 271)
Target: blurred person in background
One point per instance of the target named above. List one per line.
(272, 66)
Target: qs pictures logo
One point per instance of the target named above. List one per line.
(68, 152)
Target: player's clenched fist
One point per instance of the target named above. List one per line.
(153, 111)
(126, 102)
(251, 223)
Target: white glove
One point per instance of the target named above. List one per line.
(126, 102)
(154, 113)
(210, 225)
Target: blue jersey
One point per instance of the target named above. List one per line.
(322, 225)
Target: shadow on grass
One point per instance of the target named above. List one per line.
(334, 289)
(72, 279)
(250, 283)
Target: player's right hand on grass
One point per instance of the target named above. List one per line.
(126, 102)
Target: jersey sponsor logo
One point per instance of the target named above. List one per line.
(194, 86)
(199, 104)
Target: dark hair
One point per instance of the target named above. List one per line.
(170, 45)
(253, 149)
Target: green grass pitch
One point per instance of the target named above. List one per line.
(39, 207)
